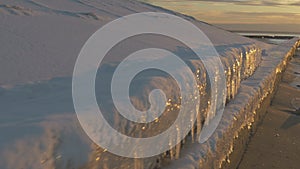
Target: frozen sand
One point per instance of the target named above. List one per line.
(276, 144)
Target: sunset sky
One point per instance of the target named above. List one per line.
(237, 12)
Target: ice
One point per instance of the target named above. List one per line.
(241, 113)
(40, 41)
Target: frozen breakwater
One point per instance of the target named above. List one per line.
(40, 41)
(242, 114)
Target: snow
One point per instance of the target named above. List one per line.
(39, 44)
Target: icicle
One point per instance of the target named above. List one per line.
(178, 146)
(138, 163)
(199, 126)
(172, 148)
(192, 128)
(105, 163)
(172, 153)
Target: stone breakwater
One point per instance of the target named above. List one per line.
(239, 63)
(241, 115)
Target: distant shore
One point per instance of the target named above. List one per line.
(268, 35)
(271, 38)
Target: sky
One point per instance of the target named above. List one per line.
(253, 14)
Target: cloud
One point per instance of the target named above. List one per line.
(270, 2)
(249, 17)
(250, 2)
(255, 14)
(261, 17)
(238, 11)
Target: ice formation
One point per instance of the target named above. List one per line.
(40, 41)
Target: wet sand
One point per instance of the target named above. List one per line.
(276, 144)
